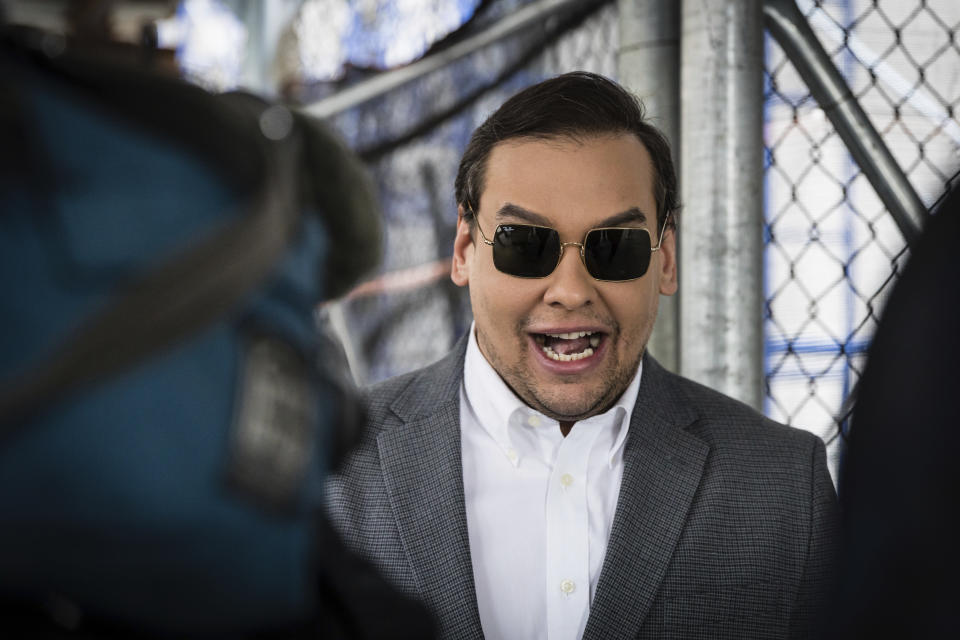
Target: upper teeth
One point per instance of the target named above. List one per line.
(594, 337)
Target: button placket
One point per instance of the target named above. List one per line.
(568, 577)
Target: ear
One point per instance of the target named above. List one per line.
(668, 262)
(462, 251)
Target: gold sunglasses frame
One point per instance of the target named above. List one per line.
(583, 258)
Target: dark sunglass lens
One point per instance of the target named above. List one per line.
(617, 254)
(525, 251)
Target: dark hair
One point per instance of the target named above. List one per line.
(573, 105)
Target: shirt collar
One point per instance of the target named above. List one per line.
(494, 403)
(492, 400)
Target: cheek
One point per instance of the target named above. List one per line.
(487, 309)
(635, 314)
(503, 304)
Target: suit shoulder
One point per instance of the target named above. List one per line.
(419, 392)
(378, 397)
(414, 394)
(725, 422)
(358, 478)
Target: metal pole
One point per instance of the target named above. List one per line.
(721, 284)
(265, 22)
(649, 65)
(831, 92)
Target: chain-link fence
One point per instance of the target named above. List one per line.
(832, 249)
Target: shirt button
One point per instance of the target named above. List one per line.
(533, 421)
(567, 586)
(566, 480)
(512, 455)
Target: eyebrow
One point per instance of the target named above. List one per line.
(510, 210)
(633, 214)
(513, 211)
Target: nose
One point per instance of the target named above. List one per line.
(570, 286)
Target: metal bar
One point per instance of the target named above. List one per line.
(649, 65)
(791, 30)
(385, 82)
(334, 316)
(721, 286)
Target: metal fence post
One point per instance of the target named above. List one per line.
(649, 65)
(265, 22)
(721, 279)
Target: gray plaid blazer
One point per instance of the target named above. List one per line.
(725, 524)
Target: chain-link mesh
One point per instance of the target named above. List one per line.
(832, 249)
(412, 139)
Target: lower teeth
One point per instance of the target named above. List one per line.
(567, 357)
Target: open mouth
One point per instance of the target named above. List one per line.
(568, 347)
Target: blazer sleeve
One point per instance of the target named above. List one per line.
(819, 572)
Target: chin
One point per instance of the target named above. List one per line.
(568, 410)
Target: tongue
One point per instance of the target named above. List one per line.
(566, 347)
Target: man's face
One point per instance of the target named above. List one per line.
(571, 186)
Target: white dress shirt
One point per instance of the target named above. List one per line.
(539, 506)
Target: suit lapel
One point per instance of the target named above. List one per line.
(663, 464)
(422, 470)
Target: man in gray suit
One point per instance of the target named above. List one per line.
(547, 478)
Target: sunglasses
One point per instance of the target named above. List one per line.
(611, 254)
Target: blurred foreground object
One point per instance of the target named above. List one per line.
(900, 484)
(168, 408)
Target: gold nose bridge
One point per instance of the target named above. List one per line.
(564, 245)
